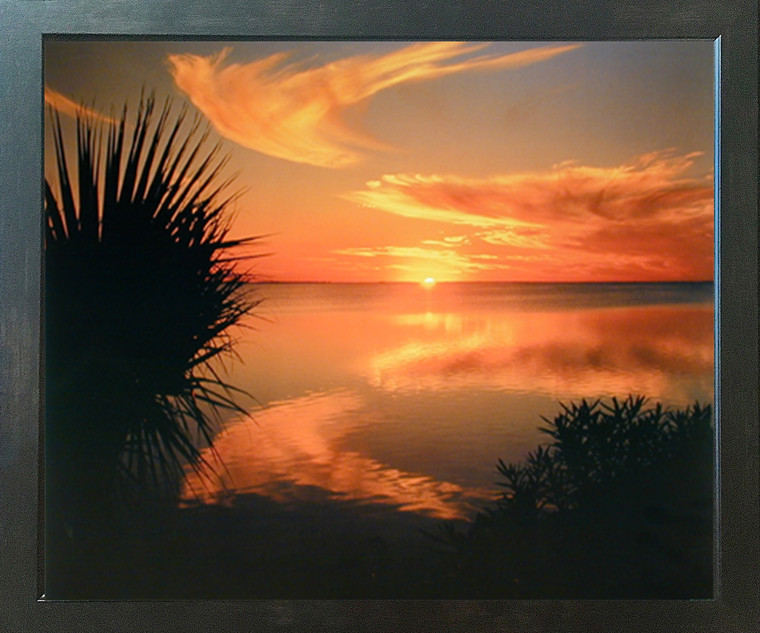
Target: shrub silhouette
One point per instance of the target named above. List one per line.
(617, 505)
(141, 289)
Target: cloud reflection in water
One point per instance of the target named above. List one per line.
(294, 446)
(566, 354)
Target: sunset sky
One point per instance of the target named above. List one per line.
(397, 161)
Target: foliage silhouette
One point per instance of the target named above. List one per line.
(142, 287)
(617, 505)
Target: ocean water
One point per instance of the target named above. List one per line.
(407, 396)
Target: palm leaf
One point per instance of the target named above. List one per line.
(142, 289)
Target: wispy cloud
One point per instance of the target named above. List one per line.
(641, 219)
(443, 260)
(294, 112)
(64, 105)
(447, 199)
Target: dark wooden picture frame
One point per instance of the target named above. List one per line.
(732, 23)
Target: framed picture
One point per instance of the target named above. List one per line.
(349, 319)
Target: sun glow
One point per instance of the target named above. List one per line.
(428, 282)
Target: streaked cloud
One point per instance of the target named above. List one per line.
(441, 199)
(64, 105)
(294, 111)
(450, 241)
(637, 220)
(446, 261)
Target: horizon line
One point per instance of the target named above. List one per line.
(661, 281)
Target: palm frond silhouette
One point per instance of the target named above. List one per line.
(142, 286)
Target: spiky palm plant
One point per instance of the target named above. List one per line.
(141, 291)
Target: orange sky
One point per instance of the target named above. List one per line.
(479, 161)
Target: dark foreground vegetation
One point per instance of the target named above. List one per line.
(141, 290)
(619, 504)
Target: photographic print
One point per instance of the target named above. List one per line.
(379, 319)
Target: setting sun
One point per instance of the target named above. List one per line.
(428, 282)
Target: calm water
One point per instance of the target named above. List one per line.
(404, 395)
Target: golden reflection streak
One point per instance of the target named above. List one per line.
(561, 354)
